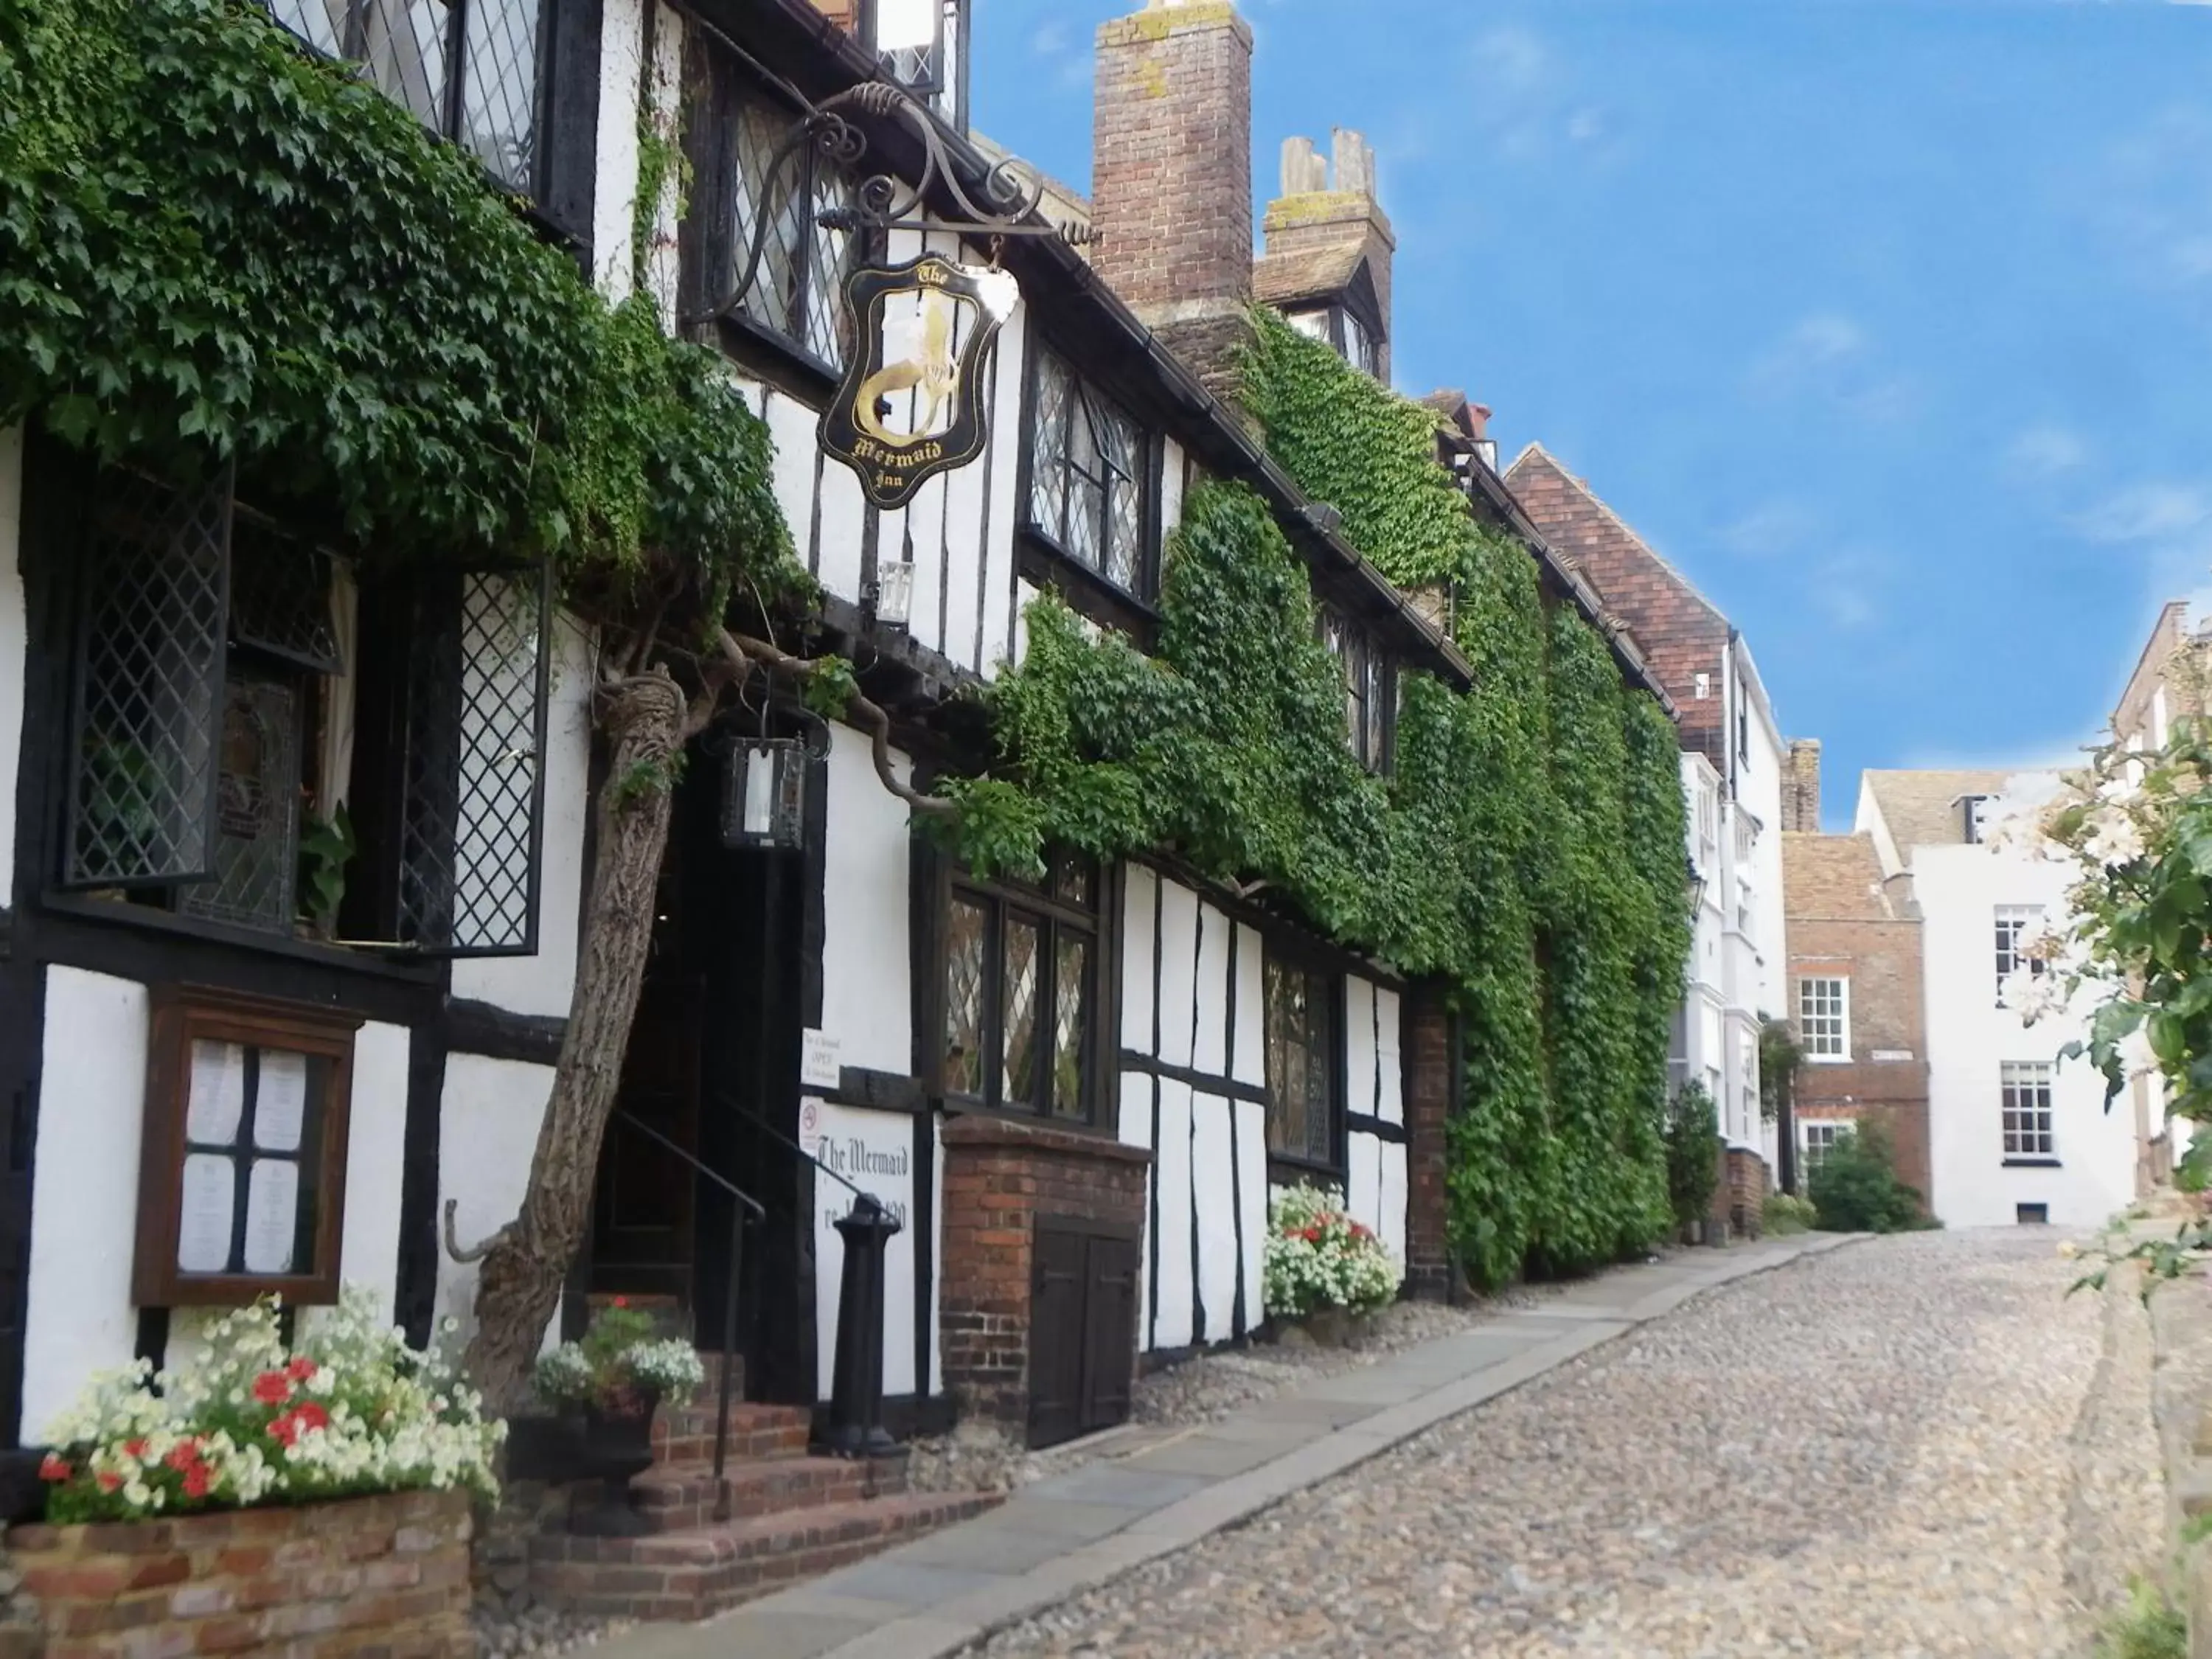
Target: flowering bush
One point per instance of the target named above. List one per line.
(353, 1411)
(621, 1366)
(1319, 1257)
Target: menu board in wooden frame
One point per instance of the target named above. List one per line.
(241, 1176)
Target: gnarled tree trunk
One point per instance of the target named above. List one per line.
(525, 1262)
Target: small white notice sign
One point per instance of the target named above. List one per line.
(203, 1221)
(810, 1126)
(1893, 1054)
(280, 1108)
(818, 1066)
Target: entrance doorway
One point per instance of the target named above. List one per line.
(713, 1057)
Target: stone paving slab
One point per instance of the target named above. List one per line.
(1058, 1538)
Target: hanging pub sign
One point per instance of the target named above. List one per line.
(911, 403)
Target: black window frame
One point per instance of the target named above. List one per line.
(1326, 991)
(1373, 688)
(1057, 917)
(769, 326)
(945, 96)
(397, 789)
(1339, 318)
(1093, 579)
(556, 177)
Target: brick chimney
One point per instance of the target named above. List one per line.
(1328, 206)
(1171, 176)
(1800, 786)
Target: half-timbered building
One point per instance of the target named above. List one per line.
(1074, 1094)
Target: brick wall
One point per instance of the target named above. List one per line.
(1000, 1176)
(1429, 1062)
(1842, 923)
(1801, 787)
(385, 1576)
(1746, 1190)
(1171, 174)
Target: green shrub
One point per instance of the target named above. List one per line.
(1693, 1153)
(1855, 1188)
(1784, 1214)
(2149, 1629)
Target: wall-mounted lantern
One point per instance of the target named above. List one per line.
(1694, 884)
(891, 601)
(764, 794)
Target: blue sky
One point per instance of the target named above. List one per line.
(1887, 322)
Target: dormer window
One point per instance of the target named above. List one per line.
(1979, 813)
(1341, 328)
(920, 43)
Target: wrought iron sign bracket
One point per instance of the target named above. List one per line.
(1004, 204)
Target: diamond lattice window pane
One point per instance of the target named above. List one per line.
(280, 596)
(965, 930)
(402, 44)
(499, 108)
(469, 833)
(1071, 1012)
(257, 844)
(1019, 1012)
(320, 23)
(150, 664)
(1047, 474)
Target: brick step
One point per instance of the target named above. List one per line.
(702, 1571)
(671, 1497)
(685, 1434)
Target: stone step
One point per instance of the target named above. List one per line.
(685, 1434)
(698, 1572)
(675, 1497)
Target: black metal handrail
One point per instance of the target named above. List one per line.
(745, 1202)
(732, 1103)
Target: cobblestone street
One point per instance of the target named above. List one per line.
(1911, 1447)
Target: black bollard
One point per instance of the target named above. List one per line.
(856, 1384)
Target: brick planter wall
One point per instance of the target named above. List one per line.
(1745, 1188)
(385, 1576)
(1000, 1176)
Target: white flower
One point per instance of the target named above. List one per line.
(2032, 995)
(2113, 838)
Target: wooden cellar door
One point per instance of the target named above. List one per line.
(1083, 1331)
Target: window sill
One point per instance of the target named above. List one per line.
(2033, 1163)
(405, 969)
(1283, 1169)
(777, 358)
(960, 1106)
(1090, 592)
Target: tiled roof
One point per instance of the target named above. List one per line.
(1681, 633)
(1922, 808)
(1306, 274)
(1833, 879)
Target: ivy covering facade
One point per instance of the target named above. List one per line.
(214, 246)
(1527, 851)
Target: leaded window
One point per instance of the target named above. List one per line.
(1368, 699)
(778, 185)
(919, 42)
(217, 702)
(1020, 1008)
(1344, 331)
(2025, 1087)
(471, 71)
(1302, 1082)
(1087, 472)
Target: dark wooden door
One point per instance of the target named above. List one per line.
(1083, 1331)
(641, 1241)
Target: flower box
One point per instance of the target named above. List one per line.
(387, 1574)
(1323, 1267)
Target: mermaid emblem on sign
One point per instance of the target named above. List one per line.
(911, 403)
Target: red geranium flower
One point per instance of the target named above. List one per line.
(51, 1468)
(197, 1480)
(301, 1369)
(308, 1415)
(185, 1454)
(134, 1449)
(272, 1388)
(622, 1302)
(110, 1482)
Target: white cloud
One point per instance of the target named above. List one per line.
(2153, 511)
(1524, 97)
(1828, 356)
(2043, 449)
(1771, 527)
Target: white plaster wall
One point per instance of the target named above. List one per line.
(1135, 1129)
(1002, 640)
(867, 978)
(1172, 1326)
(1141, 898)
(13, 645)
(1214, 1190)
(1178, 954)
(1362, 1183)
(376, 1156)
(663, 88)
(1252, 1201)
(1172, 464)
(487, 1131)
(1390, 1064)
(614, 194)
(888, 1138)
(1968, 1036)
(542, 984)
(1209, 1047)
(84, 1191)
(1392, 1184)
(1248, 1054)
(1361, 1092)
(84, 1200)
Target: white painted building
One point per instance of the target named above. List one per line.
(2016, 1134)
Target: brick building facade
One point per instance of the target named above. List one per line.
(1847, 930)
